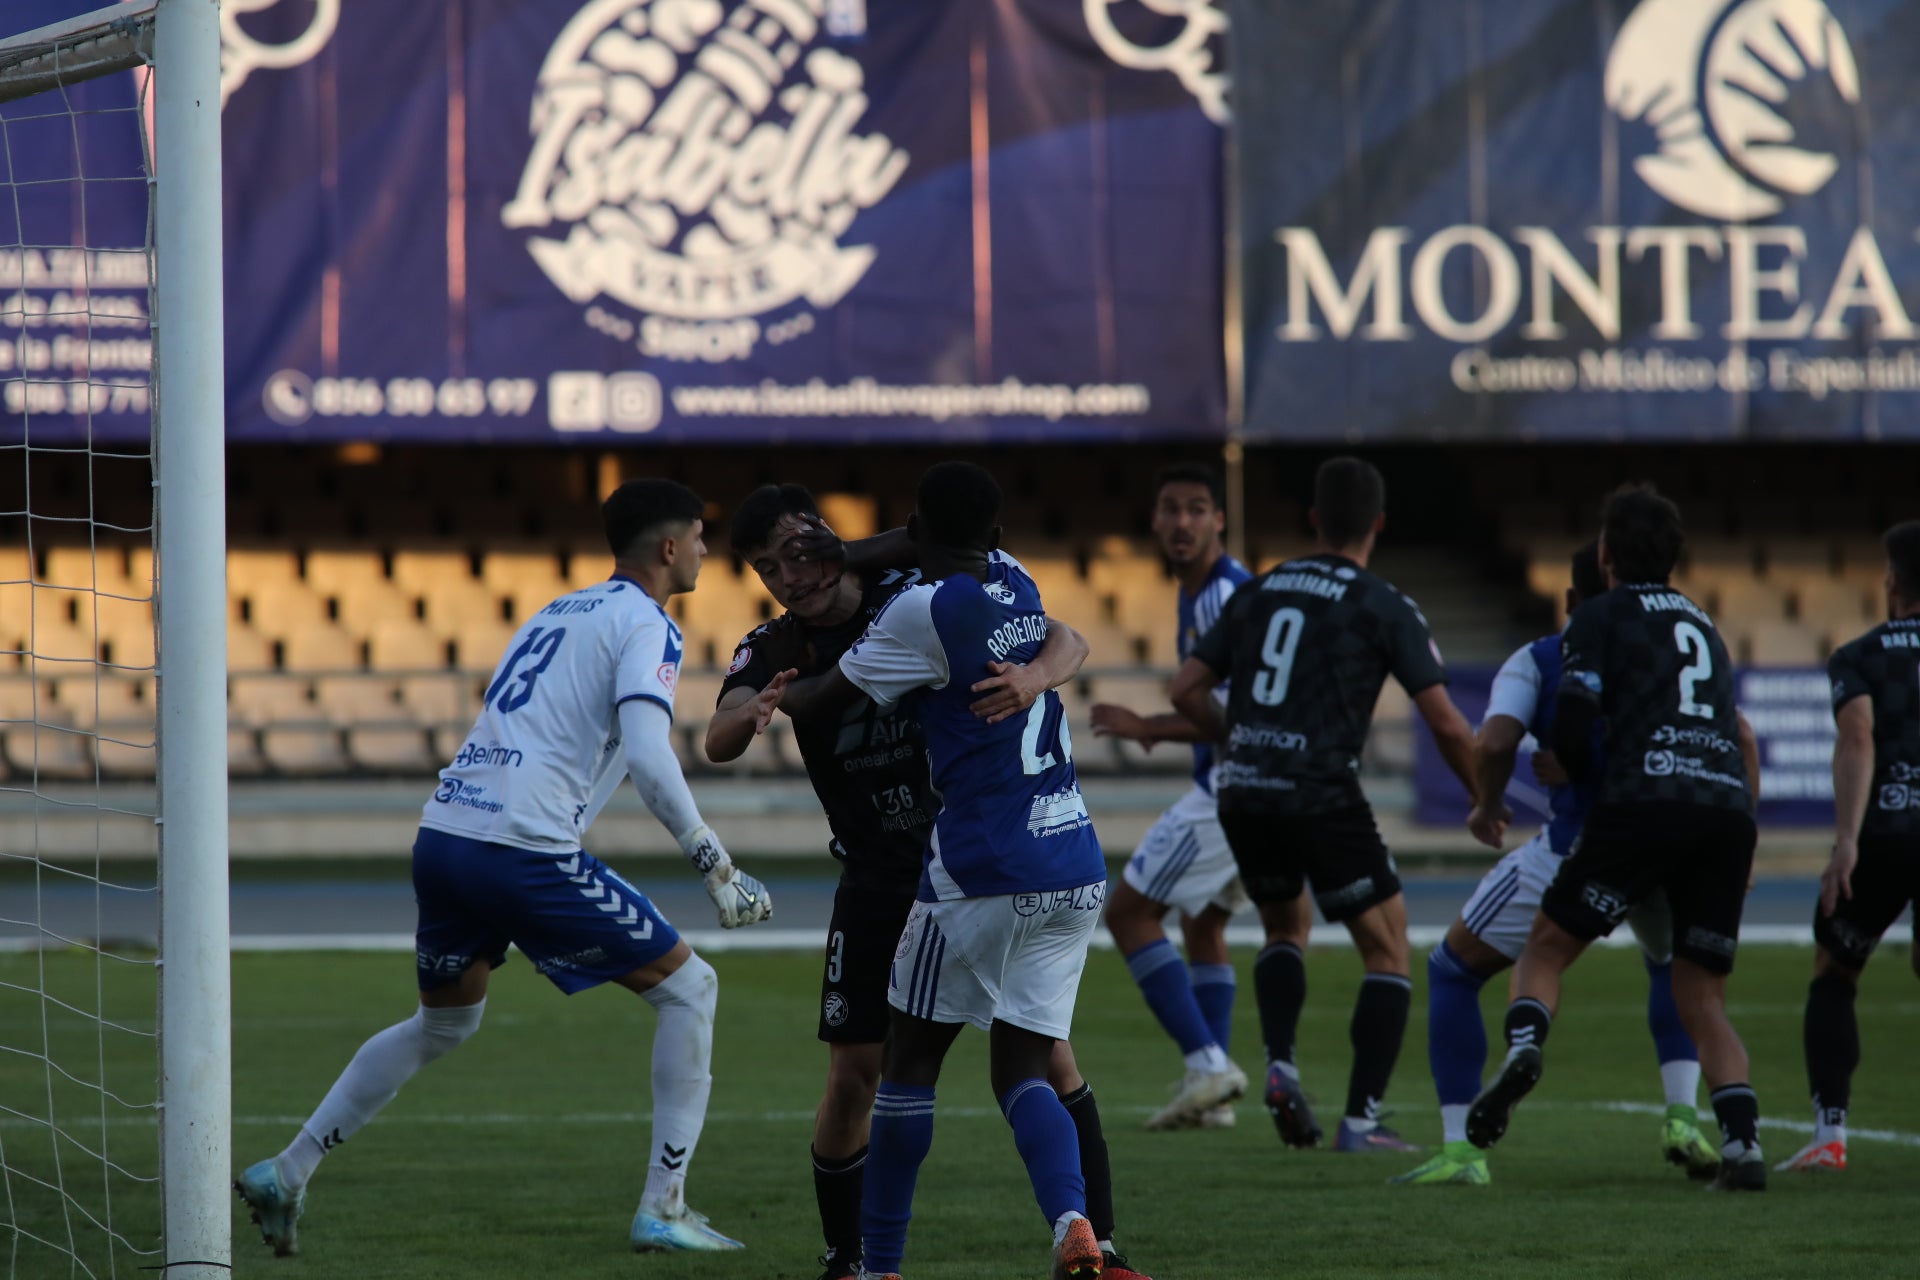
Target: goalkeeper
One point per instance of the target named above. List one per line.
(582, 699)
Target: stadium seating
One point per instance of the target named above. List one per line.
(369, 604)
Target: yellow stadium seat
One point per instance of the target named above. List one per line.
(478, 646)
(405, 644)
(1778, 643)
(247, 649)
(52, 747)
(320, 647)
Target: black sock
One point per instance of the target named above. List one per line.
(836, 1185)
(1279, 988)
(1738, 1111)
(1095, 1165)
(1379, 1024)
(1833, 1046)
(1528, 1023)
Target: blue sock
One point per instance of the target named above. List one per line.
(1670, 1038)
(902, 1135)
(1456, 1035)
(1163, 981)
(1048, 1143)
(1213, 990)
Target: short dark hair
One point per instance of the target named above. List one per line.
(1589, 579)
(760, 511)
(639, 507)
(1903, 555)
(1192, 473)
(1349, 494)
(959, 505)
(1643, 533)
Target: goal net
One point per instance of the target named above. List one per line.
(113, 983)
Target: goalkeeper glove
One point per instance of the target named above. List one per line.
(740, 899)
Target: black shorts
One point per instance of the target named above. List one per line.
(1701, 856)
(1340, 853)
(867, 923)
(1884, 881)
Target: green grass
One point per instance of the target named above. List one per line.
(520, 1155)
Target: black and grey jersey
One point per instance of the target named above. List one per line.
(868, 767)
(1884, 665)
(1655, 664)
(1305, 649)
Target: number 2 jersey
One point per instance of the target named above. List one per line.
(1655, 664)
(1884, 665)
(544, 756)
(1012, 820)
(867, 766)
(1306, 648)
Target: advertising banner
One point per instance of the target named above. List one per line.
(704, 221)
(1788, 708)
(1579, 219)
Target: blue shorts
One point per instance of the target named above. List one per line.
(578, 921)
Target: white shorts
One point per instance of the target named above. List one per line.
(1185, 861)
(1016, 959)
(1500, 912)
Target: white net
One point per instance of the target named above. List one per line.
(79, 1151)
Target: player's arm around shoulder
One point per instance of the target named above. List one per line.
(1012, 687)
(900, 652)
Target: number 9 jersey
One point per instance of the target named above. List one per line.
(1655, 665)
(544, 756)
(1306, 648)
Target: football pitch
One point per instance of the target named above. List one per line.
(521, 1154)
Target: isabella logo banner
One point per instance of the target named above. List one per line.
(1671, 218)
(694, 220)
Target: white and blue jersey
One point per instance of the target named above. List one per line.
(1525, 690)
(1199, 610)
(1012, 820)
(545, 756)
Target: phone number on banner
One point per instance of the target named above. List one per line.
(291, 397)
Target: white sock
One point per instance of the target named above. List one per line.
(1453, 1122)
(1209, 1058)
(385, 1062)
(682, 1079)
(1829, 1125)
(1681, 1079)
(1061, 1224)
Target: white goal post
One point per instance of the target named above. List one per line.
(180, 41)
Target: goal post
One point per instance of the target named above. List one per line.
(173, 47)
(190, 600)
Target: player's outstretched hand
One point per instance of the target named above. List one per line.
(741, 899)
(1836, 882)
(1011, 689)
(1110, 721)
(1489, 824)
(764, 703)
(1546, 767)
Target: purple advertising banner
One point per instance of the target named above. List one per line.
(1787, 706)
(628, 221)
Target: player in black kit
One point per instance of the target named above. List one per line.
(1306, 648)
(869, 770)
(1875, 869)
(1675, 811)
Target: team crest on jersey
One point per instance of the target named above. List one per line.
(668, 675)
(699, 166)
(833, 1011)
(741, 658)
(999, 592)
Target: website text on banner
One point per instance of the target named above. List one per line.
(686, 220)
(1790, 710)
(1686, 219)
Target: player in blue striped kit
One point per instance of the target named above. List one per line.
(1184, 862)
(1493, 925)
(1014, 877)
